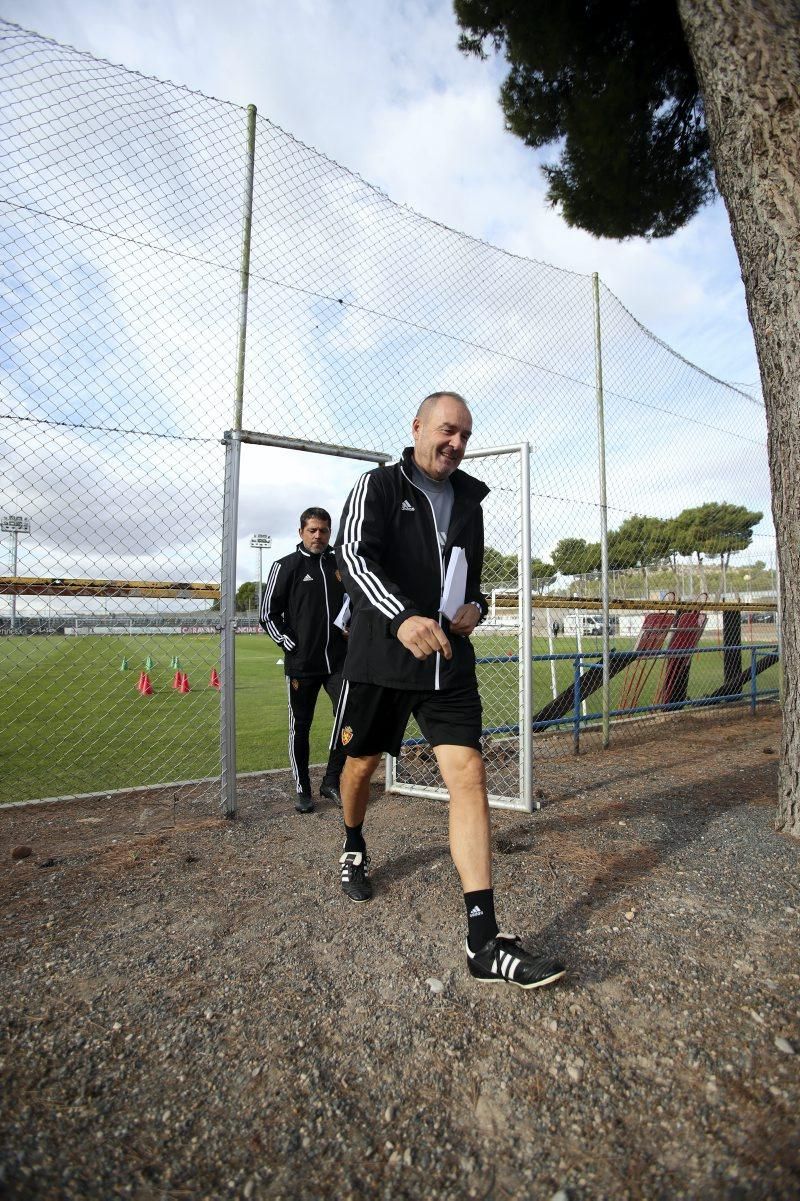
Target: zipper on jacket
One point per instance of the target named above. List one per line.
(327, 612)
(441, 569)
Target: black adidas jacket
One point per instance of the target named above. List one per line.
(302, 596)
(393, 568)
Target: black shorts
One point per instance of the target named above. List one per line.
(371, 719)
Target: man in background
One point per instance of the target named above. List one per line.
(302, 598)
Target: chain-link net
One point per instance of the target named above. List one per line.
(120, 217)
(121, 201)
(688, 516)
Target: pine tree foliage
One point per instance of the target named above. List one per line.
(579, 68)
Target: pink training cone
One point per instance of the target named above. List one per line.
(214, 680)
(144, 686)
(184, 684)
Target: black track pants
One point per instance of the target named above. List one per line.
(303, 695)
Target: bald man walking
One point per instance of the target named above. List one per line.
(400, 526)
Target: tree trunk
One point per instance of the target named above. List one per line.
(747, 57)
(702, 571)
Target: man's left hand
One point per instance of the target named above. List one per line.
(465, 620)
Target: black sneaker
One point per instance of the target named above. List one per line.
(304, 802)
(504, 960)
(331, 793)
(356, 883)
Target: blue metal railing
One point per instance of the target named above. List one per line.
(575, 719)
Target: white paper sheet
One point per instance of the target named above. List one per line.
(342, 618)
(455, 583)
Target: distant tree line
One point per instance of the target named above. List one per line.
(707, 532)
(246, 598)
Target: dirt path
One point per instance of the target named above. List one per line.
(195, 1011)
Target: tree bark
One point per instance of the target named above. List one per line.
(747, 57)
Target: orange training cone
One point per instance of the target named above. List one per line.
(144, 686)
(176, 680)
(214, 680)
(184, 684)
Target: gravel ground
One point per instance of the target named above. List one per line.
(194, 1010)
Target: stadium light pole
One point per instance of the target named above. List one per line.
(260, 542)
(14, 525)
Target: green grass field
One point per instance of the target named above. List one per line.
(73, 722)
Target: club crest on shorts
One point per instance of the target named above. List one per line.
(347, 734)
(295, 685)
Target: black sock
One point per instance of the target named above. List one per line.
(482, 924)
(354, 839)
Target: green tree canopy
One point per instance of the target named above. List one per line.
(575, 556)
(246, 596)
(714, 529)
(542, 575)
(498, 568)
(639, 542)
(580, 69)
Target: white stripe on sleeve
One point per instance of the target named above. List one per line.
(371, 585)
(272, 629)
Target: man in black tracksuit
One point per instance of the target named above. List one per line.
(402, 528)
(302, 598)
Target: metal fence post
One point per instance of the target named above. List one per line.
(601, 455)
(526, 621)
(576, 704)
(14, 537)
(230, 518)
(227, 605)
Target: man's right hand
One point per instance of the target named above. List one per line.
(423, 636)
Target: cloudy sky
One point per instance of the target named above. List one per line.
(380, 87)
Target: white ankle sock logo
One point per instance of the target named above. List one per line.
(476, 911)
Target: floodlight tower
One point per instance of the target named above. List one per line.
(260, 542)
(14, 525)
